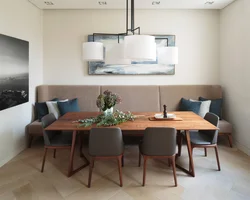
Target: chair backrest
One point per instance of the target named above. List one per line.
(159, 141)
(212, 134)
(46, 121)
(105, 142)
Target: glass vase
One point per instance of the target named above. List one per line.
(108, 111)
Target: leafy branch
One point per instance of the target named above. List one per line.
(116, 118)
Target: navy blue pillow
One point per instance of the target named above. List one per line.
(187, 105)
(215, 107)
(68, 106)
(42, 109)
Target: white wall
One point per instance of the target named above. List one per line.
(22, 20)
(197, 36)
(235, 69)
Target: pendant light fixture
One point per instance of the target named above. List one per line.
(136, 47)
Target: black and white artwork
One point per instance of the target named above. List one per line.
(14, 72)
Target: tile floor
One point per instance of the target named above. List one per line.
(21, 178)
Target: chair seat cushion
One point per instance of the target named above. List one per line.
(225, 127)
(35, 128)
(62, 139)
(199, 138)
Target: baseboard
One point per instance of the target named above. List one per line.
(12, 155)
(242, 148)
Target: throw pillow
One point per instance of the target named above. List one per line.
(205, 106)
(68, 106)
(215, 107)
(42, 109)
(53, 108)
(187, 105)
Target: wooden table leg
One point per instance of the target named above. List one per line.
(191, 162)
(71, 171)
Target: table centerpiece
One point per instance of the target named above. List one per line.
(108, 117)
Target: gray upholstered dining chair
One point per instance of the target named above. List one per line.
(206, 138)
(105, 143)
(54, 139)
(158, 142)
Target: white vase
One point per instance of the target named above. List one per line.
(108, 111)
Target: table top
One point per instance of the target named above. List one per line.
(190, 121)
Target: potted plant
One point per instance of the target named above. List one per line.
(107, 101)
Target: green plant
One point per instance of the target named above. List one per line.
(116, 118)
(107, 100)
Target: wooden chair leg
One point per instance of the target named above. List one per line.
(44, 157)
(174, 170)
(217, 157)
(230, 140)
(54, 155)
(139, 159)
(91, 165)
(119, 159)
(205, 149)
(145, 158)
(122, 160)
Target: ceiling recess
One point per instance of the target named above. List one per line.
(49, 3)
(139, 4)
(210, 2)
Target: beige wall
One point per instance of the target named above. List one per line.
(22, 20)
(235, 69)
(197, 36)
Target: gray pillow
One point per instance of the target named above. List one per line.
(204, 108)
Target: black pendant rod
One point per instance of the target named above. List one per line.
(132, 16)
(132, 28)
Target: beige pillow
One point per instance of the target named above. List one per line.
(205, 107)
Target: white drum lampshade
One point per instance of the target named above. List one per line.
(114, 54)
(167, 55)
(140, 47)
(92, 51)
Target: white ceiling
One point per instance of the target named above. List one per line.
(139, 4)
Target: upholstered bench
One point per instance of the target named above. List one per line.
(134, 98)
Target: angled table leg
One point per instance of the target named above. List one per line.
(190, 171)
(72, 171)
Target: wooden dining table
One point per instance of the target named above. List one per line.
(185, 121)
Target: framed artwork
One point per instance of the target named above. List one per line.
(135, 68)
(14, 72)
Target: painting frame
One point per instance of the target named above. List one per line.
(14, 71)
(135, 68)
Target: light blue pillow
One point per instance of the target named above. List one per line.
(68, 106)
(186, 105)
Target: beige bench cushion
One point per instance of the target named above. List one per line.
(136, 98)
(172, 94)
(86, 94)
(225, 127)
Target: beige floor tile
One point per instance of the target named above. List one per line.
(21, 177)
(121, 196)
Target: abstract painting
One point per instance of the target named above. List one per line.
(14, 72)
(135, 68)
